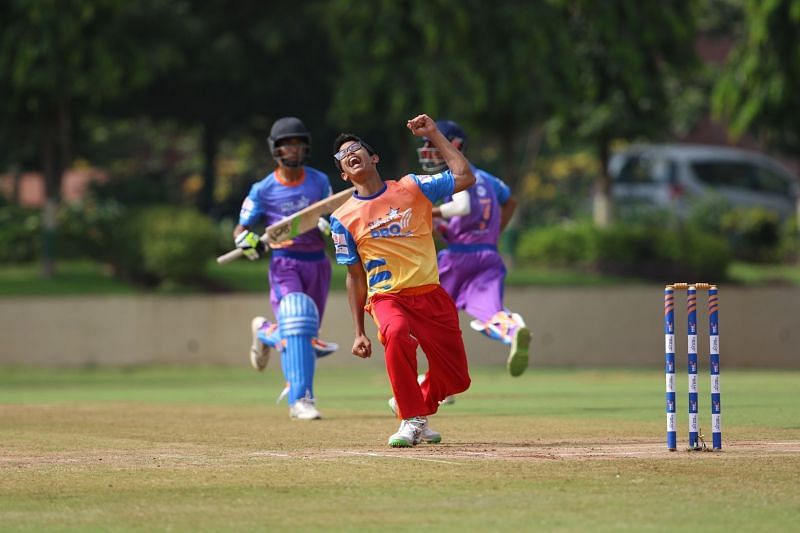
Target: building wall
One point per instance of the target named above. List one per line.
(571, 327)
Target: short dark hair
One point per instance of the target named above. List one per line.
(347, 137)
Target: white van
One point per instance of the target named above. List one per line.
(671, 175)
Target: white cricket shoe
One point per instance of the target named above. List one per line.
(428, 435)
(259, 352)
(409, 433)
(304, 409)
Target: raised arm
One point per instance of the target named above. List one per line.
(458, 206)
(424, 126)
(356, 282)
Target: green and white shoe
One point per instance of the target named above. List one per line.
(518, 356)
(409, 433)
(429, 436)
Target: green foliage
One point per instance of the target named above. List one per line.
(20, 231)
(60, 59)
(559, 246)
(753, 234)
(149, 246)
(557, 188)
(138, 191)
(757, 91)
(511, 60)
(159, 244)
(651, 252)
(86, 229)
(629, 66)
(789, 248)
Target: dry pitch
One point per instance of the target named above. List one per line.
(453, 454)
(207, 449)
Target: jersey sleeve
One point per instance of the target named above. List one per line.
(502, 190)
(251, 212)
(344, 244)
(325, 186)
(435, 187)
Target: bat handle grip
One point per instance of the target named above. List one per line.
(230, 256)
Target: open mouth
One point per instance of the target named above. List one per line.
(353, 161)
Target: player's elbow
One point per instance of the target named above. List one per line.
(509, 207)
(464, 181)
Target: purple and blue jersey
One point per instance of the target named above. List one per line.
(470, 268)
(271, 199)
(482, 225)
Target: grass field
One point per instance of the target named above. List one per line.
(86, 277)
(188, 449)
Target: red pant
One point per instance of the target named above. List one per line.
(429, 320)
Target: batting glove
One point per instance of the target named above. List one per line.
(324, 226)
(248, 242)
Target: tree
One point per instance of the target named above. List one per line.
(758, 89)
(522, 56)
(240, 66)
(394, 61)
(630, 54)
(59, 59)
(501, 70)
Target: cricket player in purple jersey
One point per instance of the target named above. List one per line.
(299, 270)
(470, 269)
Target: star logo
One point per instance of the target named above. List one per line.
(393, 212)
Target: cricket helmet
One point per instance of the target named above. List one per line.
(289, 128)
(429, 157)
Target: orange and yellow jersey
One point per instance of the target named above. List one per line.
(390, 232)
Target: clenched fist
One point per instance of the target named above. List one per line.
(422, 126)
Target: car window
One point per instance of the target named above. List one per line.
(645, 169)
(742, 175)
(768, 180)
(725, 174)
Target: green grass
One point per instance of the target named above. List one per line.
(85, 277)
(754, 274)
(204, 448)
(72, 277)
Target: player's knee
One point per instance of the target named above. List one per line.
(397, 330)
(462, 382)
(298, 315)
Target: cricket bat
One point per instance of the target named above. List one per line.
(296, 224)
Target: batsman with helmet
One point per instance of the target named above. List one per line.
(299, 270)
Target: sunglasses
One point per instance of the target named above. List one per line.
(341, 154)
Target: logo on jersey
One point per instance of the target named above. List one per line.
(340, 243)
(394, 224)
(247, 208)
(290, 207)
